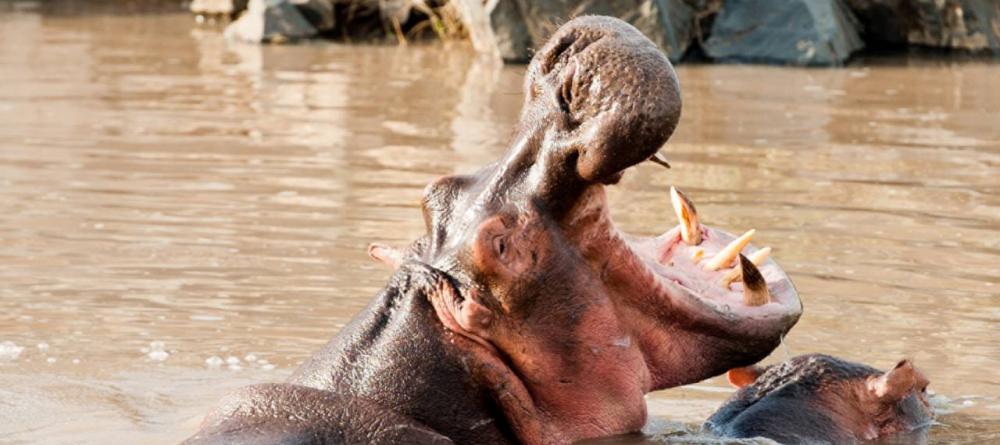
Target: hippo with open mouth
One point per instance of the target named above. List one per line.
(524, 315)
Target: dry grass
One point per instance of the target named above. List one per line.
(443, 21)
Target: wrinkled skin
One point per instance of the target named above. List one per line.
(524, 315)
(816, 399)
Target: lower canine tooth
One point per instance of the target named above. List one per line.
(757, 258)
(687, 215)
(754, 287)
(726, 256)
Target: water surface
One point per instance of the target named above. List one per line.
(180, 216)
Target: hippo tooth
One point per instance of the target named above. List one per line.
(754, 287)
(756, 258)
(659, 159)
(688, 216)
(726, 256)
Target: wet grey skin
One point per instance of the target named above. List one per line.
(819, 399)
(523, 315)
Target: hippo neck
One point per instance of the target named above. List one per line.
(397, 354)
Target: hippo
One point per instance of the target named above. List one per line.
(817, 399)
(523, 315)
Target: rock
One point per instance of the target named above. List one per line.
(270, 21)
(972, 25)
(797, 32)
(230, 8)
(510, 29)
(668, 23)
(395, 10)
(319, 13)
(496, 27)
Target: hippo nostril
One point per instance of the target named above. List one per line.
(554, 55)
(568, 45)
(565, 94)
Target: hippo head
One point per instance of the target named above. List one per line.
(817, 398)
(578, 319)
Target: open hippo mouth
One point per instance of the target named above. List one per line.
(705, 278)
(578, 320)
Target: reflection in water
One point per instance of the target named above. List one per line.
(160, 185)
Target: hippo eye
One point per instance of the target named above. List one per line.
(500, 247)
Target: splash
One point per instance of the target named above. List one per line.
(10, 351)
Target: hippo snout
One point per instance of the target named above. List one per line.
(601, 97)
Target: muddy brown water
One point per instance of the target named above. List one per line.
(180, 216)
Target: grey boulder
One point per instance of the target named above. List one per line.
(270, 21)
(511, 29)
(789, 32)
(497, 28)
(319, 13)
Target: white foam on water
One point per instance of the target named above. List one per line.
(157, 351)
(10, 351)
(214, 361)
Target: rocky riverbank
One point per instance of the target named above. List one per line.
(785, 32)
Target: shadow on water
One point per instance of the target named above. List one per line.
(180, 216)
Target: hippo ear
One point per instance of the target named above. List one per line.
(897, 382)
(387, 255)
(740, 377)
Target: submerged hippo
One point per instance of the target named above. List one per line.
(816, 399)
(523, 315)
